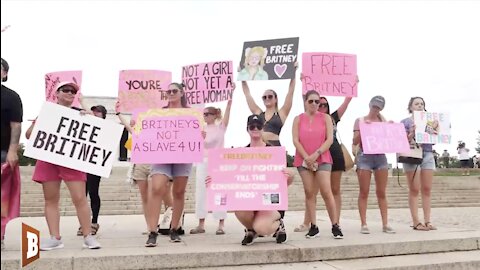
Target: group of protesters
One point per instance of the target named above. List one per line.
(319, 160)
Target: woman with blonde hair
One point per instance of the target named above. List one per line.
(253, 64)
(214, 133)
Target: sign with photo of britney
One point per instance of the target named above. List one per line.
(168, 136)
(381, 137)
(268, 59)
(143, 89)
(208, 82)
(432, 127)
(81, 142)
(52, 79)
(330, 74)
(247, 178)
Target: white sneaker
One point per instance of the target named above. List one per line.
(91, 242)
(50, 243)
(364, 230)
(388, 229)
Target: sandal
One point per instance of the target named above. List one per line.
(301, 228)
(95, 227)
(420, 227)
(220, 231)
(430, 226)
(197, 230)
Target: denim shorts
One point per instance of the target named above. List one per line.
(371, 162)
(321, 167)
(428, 163)
(172, 170)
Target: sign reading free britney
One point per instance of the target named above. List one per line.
(168, 136)
(82, 142)
(432, 127)
(248, 178)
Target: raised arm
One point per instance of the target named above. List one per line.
(226, 116)
(251, 103)
(287, 106)
(341, 110)
(122, 119)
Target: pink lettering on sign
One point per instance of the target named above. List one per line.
(52, 79)
(330, 74)
(380, 138)
(143, 89)
(208, 82)
(432, 127)
(167, 140)
(248, 178)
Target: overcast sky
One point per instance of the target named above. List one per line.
(404, 49)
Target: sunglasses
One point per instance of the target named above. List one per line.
(310, 101)
(255, 126)
(267, 97)
(324, 105)
(172, 92)
(69, 90)
(207, 114)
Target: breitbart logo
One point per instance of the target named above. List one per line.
(30, 244)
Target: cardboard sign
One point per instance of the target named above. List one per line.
(248, 178)
(330, 74)
(432, 127)
(268, 59)
(143, 89)
(208, 82)
(381, 138)
(52, 79)
(82, 142)
(168, 136)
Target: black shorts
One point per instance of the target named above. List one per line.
(337, 157)
(465, 163)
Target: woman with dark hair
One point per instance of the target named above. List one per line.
(162, 173)
(419, 177)
(464, 158)
(273, 117)
(312, 136)
(338, 165)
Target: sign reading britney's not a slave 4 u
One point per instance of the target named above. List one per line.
(330, 74)
(82, 142)
(208, 82)
(248, 178)
(143, 89)
(167, 136)
(432, 128)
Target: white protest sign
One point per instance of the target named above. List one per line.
(82, 142)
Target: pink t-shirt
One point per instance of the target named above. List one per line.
(215, 137)
(312, 136)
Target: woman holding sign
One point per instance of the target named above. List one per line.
(51, 175)
(312, 136)
(161, 174)
(272, 116)
(419, 180)
(366, 163)
(214, 138)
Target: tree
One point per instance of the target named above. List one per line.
(478, 143)
(289, 160)
(23, 160)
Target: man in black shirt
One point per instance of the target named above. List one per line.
(11, 123)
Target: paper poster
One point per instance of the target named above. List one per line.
(52, 79)
(381, 138)
(268, 59)
(330, 74)
(432, 127)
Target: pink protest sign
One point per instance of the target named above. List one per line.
(52, 79)
(208, 82)
(249, 178)
(330, 74)
(143, 89)
(380, 138)
(167, 136)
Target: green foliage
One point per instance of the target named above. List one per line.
(478, 143)
(23, 160)
(289, 160)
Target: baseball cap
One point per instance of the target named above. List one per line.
(378, 101)
(6, 67)
(101, 109)
(254, 119)
(65, 83)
